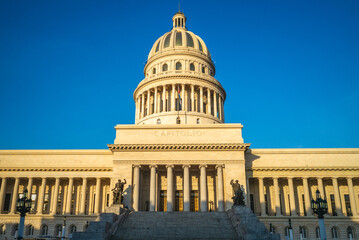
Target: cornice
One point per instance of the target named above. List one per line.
(56, 169)
(304, 151)
(207, 79)
(56, 152)
(171, 147)
(301, 169)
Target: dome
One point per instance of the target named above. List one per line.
(179, 39)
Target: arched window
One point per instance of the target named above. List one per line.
(198, 121)
(73, 228)
(317, 232)
(29, 230)
(58, 230)
(44, 230)
(158, 46)
(178, 39)
(2, 229)
(178, 66)
(15, 227)
(167, 41)
(335, 234)
(164, 67)
(189, 40)
(191, 67)
(178, 120)
(203, 69)
(86, 226)
(154, 71)
(303, 232)
(158, 121)
(286, 231)
(350, 233)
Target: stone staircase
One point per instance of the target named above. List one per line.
(176, 225)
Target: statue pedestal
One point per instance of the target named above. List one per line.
(115, 208)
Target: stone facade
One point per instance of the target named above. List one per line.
(180, 156)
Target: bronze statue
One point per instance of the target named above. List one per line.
(238, 198)
(118, 191)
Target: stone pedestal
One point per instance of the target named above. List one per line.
(248, 226)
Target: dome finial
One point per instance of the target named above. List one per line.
(179, 19)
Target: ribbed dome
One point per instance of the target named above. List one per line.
(179, 39)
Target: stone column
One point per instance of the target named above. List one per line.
(148, 102)
(2, 193)
(209, 102)
(192, 98)
(215, 103)
(83, 196)
(56, 196)
(248, 196)
(15, 195)
(29, 186)
(293, 211)
(203, 190)
(321, 188)
(201, 99)
(186, 188)
(136, 112)
(164, 98)
(136, 187)
(277, 200)
(220, 107)
(153, 191)
(308, 208)
(352, 196)
(183, 98)
(220, 188)
(69, 196)
(338, 205)
(155, 101)
(98, 193)
(261, 197)
(143, 105)
(169, 188)
(40, 202)
(173, 103)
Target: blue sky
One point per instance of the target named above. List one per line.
(68, 69)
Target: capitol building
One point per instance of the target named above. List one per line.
(180, 155)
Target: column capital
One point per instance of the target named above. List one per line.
(276, 178)
(136, 165)
(203, 165)
(186, 165)
(219, 166)
(290, 178)
(349, 177)
(305, 178)
(153, 166)
(334, 178)
(169, 166)
(260, 177)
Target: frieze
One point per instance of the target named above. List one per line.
(164, 147)
(56, 169)
(302, 169)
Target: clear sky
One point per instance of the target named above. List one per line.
(68, 69)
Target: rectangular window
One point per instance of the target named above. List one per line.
(252, 202)
(107, 199)
(178, 201)
(163, 200)
(6, 208)
(332, 201)
(347, 205)
(266, 202)
(194, 201)
(304, 209)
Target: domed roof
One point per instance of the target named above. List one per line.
(179, 39)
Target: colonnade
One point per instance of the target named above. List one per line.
(193, 98)
(63, 196)
(286, 199)
(186, 187)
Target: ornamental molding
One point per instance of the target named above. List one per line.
(301, 169)
(55, 169)
(170, 147)
(181, 162)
